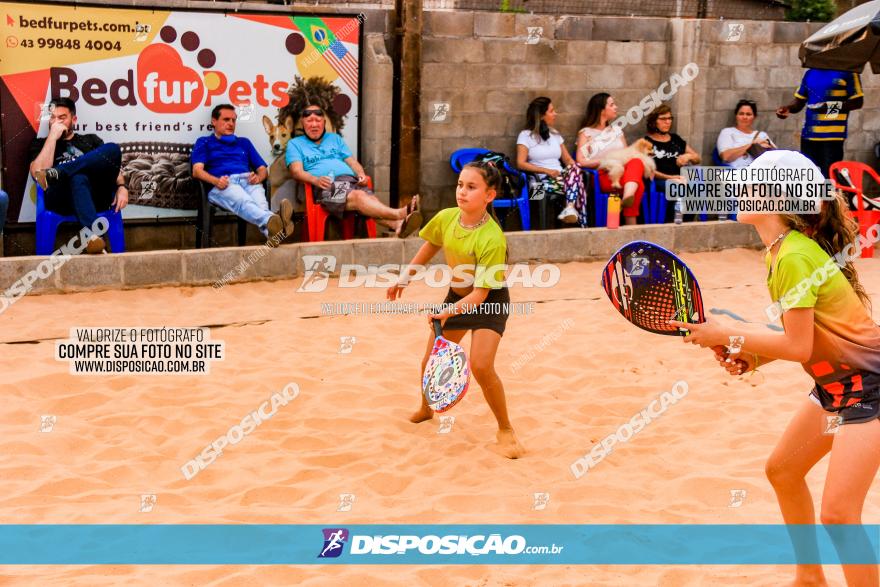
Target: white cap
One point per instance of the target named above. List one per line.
(781, 159)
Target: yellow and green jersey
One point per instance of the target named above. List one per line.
(479, 253)
(846, 341)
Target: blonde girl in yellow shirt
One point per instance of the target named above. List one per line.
(474, 246)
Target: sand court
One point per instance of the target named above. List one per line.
(573, 371)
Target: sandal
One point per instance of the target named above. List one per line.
(410, 224)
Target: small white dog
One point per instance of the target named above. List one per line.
(614, 161)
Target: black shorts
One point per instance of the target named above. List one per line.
(333, 199)
(856, 398)
(491, 314)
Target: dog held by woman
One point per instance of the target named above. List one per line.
(614, 161)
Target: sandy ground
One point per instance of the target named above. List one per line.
(118, 437)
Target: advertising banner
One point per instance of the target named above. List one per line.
(148, 79)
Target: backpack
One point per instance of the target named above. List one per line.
(511, 180)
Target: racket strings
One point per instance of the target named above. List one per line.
(649, 286)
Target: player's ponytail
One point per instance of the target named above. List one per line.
(833, 229)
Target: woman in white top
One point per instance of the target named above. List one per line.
(734, 142)
(539, 149)
(598, 137)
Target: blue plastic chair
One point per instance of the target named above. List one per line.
(717, 160)
(48, 222)
(463, 156)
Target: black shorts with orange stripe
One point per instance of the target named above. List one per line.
(855, 398)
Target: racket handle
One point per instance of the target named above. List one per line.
(438, 329)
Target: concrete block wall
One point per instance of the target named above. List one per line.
(376, 112)
(762, 66)
(483, 65)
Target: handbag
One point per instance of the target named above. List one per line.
(757, 150)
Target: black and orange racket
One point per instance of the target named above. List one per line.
(650, 286)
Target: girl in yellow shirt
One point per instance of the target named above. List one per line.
(476, 251)
(830, 332)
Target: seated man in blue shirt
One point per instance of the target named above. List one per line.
(232, 165)
(324, 160)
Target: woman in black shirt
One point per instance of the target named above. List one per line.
(671, 152)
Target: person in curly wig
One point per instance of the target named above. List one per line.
(322, 159)
(313, 90)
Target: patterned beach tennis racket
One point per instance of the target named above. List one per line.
(650, 286)
(447, 374)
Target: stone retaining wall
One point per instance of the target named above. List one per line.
(209, 266)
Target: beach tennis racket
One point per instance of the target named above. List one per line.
(650, 286)
(447, 374)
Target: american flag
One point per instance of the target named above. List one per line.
(342, 61)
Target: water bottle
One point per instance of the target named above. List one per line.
(678, 215)
(613, 220)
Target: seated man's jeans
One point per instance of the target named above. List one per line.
(87, 184)
(4, 206)
(246, 201)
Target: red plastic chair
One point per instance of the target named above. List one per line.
(316, 217)
(854, 172)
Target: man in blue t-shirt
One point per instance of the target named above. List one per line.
(232, 165)
(829, 96)
(323, 160)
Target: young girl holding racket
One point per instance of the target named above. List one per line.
(470, 236)
(829, 330)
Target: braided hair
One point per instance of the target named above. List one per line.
(832, 229)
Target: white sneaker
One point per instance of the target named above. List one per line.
(569, 215)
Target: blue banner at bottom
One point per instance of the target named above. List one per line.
(470, 544)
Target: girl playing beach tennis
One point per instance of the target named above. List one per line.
(829, 330)
(470, 236)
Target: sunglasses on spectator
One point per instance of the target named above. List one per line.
(307, 113)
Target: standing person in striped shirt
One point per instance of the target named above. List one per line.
(829, 96)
